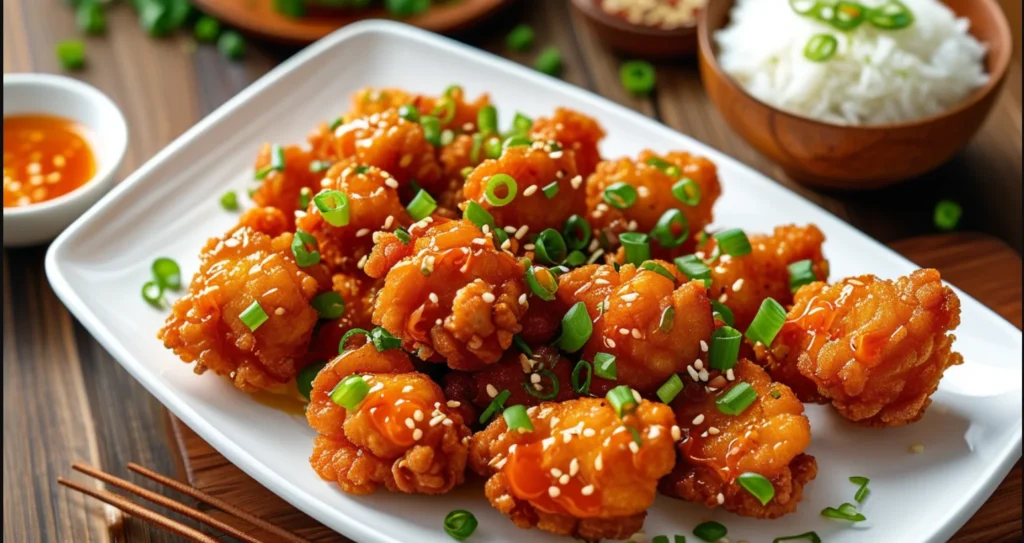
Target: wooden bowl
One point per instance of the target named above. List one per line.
(259, 18)
(638, 40)
(857, 157)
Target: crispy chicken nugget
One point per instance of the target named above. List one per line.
(579, 472)
(875, 349)
(402, 435)
(448, 294)
(573, 131)
(768, 438)
(453, 108)
(532, 168)
(654, 197)
(651, 324)
(743, 283)
(373, 205)
(358, 293)
(367, 101)
(242, 268)
(281, 188)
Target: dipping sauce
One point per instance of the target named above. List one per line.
(663, 14)
(44, 157)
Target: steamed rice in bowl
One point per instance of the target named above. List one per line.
(876, 76)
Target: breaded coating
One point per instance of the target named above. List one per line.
(373, 206)
(265, 220)
(743, 283)
(281, 189)
(402, 435)
(651, 324)
(465, 115)
(448, 294)
(358, 292)
(243, 267)
(367, 101)
(768, 438)
(573, 131)
(533, 168)
(654, 197)
(875, 349)
(579, 472)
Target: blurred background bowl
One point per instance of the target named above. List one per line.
(857, 157)
(637, 40)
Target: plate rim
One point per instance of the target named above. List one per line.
(964, 508)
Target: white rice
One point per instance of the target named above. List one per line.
(876, 76)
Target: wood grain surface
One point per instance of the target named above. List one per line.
(66, 399)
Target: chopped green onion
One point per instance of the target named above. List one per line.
(694, 269)
(584, 387)
(811, 537)
(71, 54)
(421, 206)
(90, 18)
(687, 191)
(207, 29)
(409, 113)
(305, 377)
(846, 511)
(659, 539)
(775, 394)
(350, 392)
(737, 399)
(290, 8)
(516, 141)
(452, 90)
(167, 273)
(670, 389)
(231, 45)
(350, 333)
(575, 259)
(604, 366)
(668, 316)
(665, 166)
(460, 524)
(821, 47)
(253, 316)
(383, 340)
(733, 242)
(338, 121)
(758, 486)
(492, 148)
(862, 490)
(767, 323)
(520, 344)
(576, 328)
(847, 15)
(637, 247)
(487, 120)
(947, 215)
(638, 76)
(406, 8)
(710, 531)
(892, 15)
(362, 169)
(517, 419)
(550, 247)
(551, 190)
(305, 249)
(620, 195)
(653, 266)
(541, 281)
(497, 404)
(539, 393)
(431, 129)
(521, 124)
(476, 214)
(333, 206)
(263, 172)
(800, 273)
(549, 61)
(403, 236)
(329, 305)
(520, 38)
(725, 347)
(722, 312)
(445, 110)
(496, 182)
(636, 436)
(305, 196)
(153, 293)
(622, 400)
(664, 230)
(320, 166)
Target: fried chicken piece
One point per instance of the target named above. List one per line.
(650, 341)
(401, 436)
(768, 438)
(368, 101)
(654, 198)
(455, 157)
(243, 267)
(743, 283)
(358, 292)
(875, 349)
(281, 189)
(373, 205)
(265, 220)
(448, 294)
(465, 113)
(578, 472)
(533, 168)
(573, 131)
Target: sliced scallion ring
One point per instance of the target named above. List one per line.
(167, 273)
(383, 340)
(725, 347)
(550, 247)
(694, 269)
(253, 316)
(496, 405)
(350, 392)
(604, 366)
(687, 191)
(350, 333)
(153, 293)
(665, 231)
(722, 312)
(620, 195)
(304, 248)
(577, 233)
(329, 305)
(733, 242)
(767, 323)
(543, 284)
(333, 206)
(758, 486)
(670, 389)
(622, 400)
(496, 183)
(800, 273)
(516, 418)
(460, 524)
(552, 391)
(421, 206)
(304, 379)
(665, 166)
(584, 386)
(737, 399)
(637, 247)
(576, 328)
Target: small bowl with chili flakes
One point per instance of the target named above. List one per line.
(63, 143)
(656, 29)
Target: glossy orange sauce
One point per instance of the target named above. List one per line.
(44, 157)
(529, 481)
(389, 410)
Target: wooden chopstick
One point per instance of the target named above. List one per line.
(216, 502)
(164, 501)
(139, 511)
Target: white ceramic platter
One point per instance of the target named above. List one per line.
(169, 207)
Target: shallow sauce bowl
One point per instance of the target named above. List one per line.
(107, 135)
(857, 157)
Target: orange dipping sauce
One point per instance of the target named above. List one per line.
(44, 157)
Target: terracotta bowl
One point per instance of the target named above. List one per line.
(857, 157)
(641, 41)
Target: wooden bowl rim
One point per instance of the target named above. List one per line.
(1003, 35)
(600, 16)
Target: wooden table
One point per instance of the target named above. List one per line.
(66, 399)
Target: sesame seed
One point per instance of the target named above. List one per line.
(510, 229)
(566, 437)
(588, 432)
(522, 231)
(598, 462)
(501, 463)
(377, 387)
(522, 299)
(721, 498)
(737, 285)
(447, 422)
(512, 448)
(535, 378)
(630, 297)
(438, 322)
(576, 181)
(417, 434)
(564, 479)
(529, 247)
(587, 490)
(437, 420)
(488, 297)
(917, 448)
(506, 245)
(391, 183)
(693, 373)
(676, 433)
(407, 389)
(453, 403)
(574, 467)
(362, 262)
(698, 420)
(417, 415)
(704, 375)
(713, 430)
(491, 391)
(705, 434)
(554, 420)
(636, 396)
(730, 374)
(389, 221)
(698, 364)
(279, 311)
(637, 334)
(703, 346)
(409, 423)
(633, 447)
(654, 432)
(547, 442)
(530, 190)
(624, 331)
(609, 342)
(556, 473)
(362, 232)
(554, 491)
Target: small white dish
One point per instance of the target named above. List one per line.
(98, 266)
(107, 134)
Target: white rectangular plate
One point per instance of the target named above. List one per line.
(169, 208)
